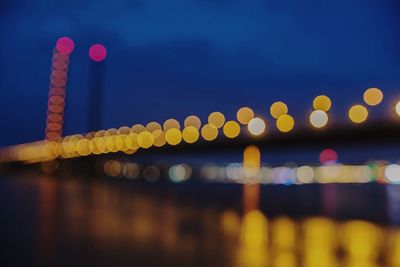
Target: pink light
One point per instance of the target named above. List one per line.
(328, 156)
(97, 52)
(65, 45)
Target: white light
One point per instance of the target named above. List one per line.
(392, 173)
(256, 126)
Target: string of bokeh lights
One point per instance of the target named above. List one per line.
(154, 134)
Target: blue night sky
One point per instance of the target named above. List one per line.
(180, 57)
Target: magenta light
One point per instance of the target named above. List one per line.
(65, 45)
(328, 156)
(97, 52)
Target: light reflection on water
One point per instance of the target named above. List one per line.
(103, 223)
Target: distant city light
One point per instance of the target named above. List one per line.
(392, 173)
(145, 139)
(322, 102)
(190, 134)
(256, 126)
(278, 109)
(173, 136)
(138, 128)
(397, 108)
(285, 123)
(217, 119)
(152, 126)
(209, 132)
(358, 113)
(194, 121)
(171, 123)
(97, 52)
(373, 96)
(328, 156)
(159, 138)
(65, 45)
(231, 129)
(244, 115)
(318, 118)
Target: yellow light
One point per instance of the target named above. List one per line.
(373, 96)
(171, 124)
(131, 141)
(231, 129)
(138, 128)
(173, 136)
(358, 113)
(159, 138)
(152, 126)
(217, 119)
(318, 118)
(322, 102)
(278, 109)
(397, 108)
(244, 115)
(124, 130)
(192, 121)
(256, 126)
(190, 134)
(145, 139)
(209, 132)
(285, 123)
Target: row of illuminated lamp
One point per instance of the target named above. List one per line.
(130, 139)
(237, 173)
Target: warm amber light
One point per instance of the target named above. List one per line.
(159, 138)
(318, 118)
(256, 126)
(373, 96)
(278, 109)
(322, 102)
(152, 126)
(138, 128)
(194, 121)
(244, 115)
(190, 134)
(171, 124)
(358, 113)
(173, 136)
(145, 139)
(209, 132)
(217, 119)
(285, 123)
(397, 108)
(231, 129)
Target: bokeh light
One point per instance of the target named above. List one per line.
(285, 123)
(209, 132)
(97, 52)
(392, 173)
(152, 126)
(138, 128)
(194, 121)
(217, 119)
(358, 113)
(173, 136)
(373, 96)
(244, 115)
(159, 138)
(322, 102)
(328, 156)
(231, 129)
(278, 109)
(65, 45)
(170, 124)
(397, 108)
(256, 126)
(145, 139)
(190, 134)
(318, 118)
